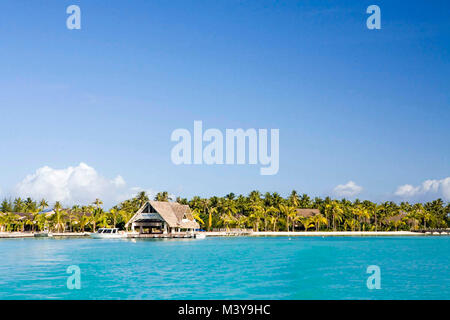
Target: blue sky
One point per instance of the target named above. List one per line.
(352, 104)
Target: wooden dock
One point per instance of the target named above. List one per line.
(161, 236)
(32, 234)
(433, 231)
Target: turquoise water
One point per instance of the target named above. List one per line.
(227, 268)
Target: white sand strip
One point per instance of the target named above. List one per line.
(337, 233)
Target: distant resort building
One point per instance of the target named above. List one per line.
(163, 217)
(304, 213)
(307, 213)
(402, 216)
(24, 217)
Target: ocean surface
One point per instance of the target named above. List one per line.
(226, 268)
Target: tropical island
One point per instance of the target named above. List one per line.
(256, 212)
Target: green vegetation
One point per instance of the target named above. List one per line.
(268, 212)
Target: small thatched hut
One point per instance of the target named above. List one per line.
(412, 223)
(305, 213)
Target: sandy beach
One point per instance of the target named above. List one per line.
(320, 233)
(337, 233)
(254, 234)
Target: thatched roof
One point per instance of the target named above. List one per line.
(180, 210)
(176, 215)
(23, 215)
(30, 215)
(397, 217)
(307, 213)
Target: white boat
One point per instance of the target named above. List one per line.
(200, 236)
(108, 233)
(44, 234)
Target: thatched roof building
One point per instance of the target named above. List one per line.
(163, 217)
(397, 218)
(307, 213)
(412, 222)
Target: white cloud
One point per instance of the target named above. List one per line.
(81, 185)
(433, 188)
(349, 189)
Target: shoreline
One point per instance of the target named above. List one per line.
(339, 233)
(21, 235)
(13, 235)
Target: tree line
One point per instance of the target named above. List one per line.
(260, 212)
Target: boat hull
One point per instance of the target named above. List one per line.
(43, 235)
(108, 236)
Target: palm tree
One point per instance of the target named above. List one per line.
(372, 210)
(228, 210)
(242, 221)
(6, 206)
(93, 215)
(98, 217)
(11, 220)
(319, 219)
(29, 205)
(273, 221)
(43, 204)
(19, 224)
(361, 213)
(114, 215)
(294, 199)
(336, 211)
(3, 221)
(397, 223)
(277, 199)
(254, 196)
(351, 223)
(230, 196)
(142, 198)
(212, 212)
(204, 203)
(305, 201)
(29, 221)
(83, 221)
(427, 217)
(262, 213)
(18, 205)
(306, 222)
(196, 215)
(288, 212)
(126, 216)
(41, 222)
(273, 216)
(201, 206)
(58, 217)
(73, 216)
(257, 213)
(102, 218)
(163, 196)
(98, 203)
